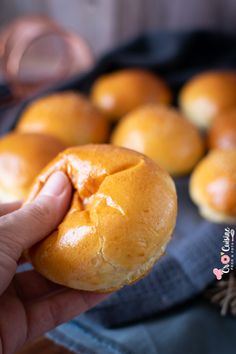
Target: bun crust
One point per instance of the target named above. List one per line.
(163, 134)
(213, 186)
(67, 115)
(118, 93)
(222, 133)
(207, 95)
(22, 156)
(121, 217)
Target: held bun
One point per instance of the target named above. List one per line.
(121, 217)
(118, 93)
(22, 156)
(68, 116)
(222, 133)
(207, 95)
(162, 134)
(213, 186)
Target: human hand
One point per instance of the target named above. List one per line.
(30, 305)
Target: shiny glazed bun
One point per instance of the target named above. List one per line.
(66, 115)
(222, 133)
(213, 186)
(122, 91)
(22, 156)
(164, 135)
(207, 95)
(121, 217)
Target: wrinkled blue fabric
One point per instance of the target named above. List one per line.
(195, 328)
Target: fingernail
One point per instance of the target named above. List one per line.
(55, 185)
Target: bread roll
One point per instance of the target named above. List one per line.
(121, 217)
(122, 91)
(22, 156)
(66, 115)
(162, 134)
(207, 95)
(222, 133)
(213, 186)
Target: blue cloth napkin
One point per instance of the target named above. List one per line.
(195, 328)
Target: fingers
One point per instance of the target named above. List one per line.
(31, 285)
(9, 207)
(49, 313)
(28, 225)
(34, 221)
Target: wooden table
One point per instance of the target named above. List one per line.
(43, 346)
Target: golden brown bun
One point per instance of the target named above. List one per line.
(122, 91)
(222, 133)
(22, 156)
(68, 116)
(122, 215)
(207, 95)
(213, 186)
(164, 135)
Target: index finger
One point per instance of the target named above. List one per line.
(44, 315)
(7, 208)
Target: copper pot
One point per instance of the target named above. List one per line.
(20, 35)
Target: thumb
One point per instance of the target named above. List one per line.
(34, 221)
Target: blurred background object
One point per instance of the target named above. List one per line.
(102, 23)
(105, 23)
(35, 52)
